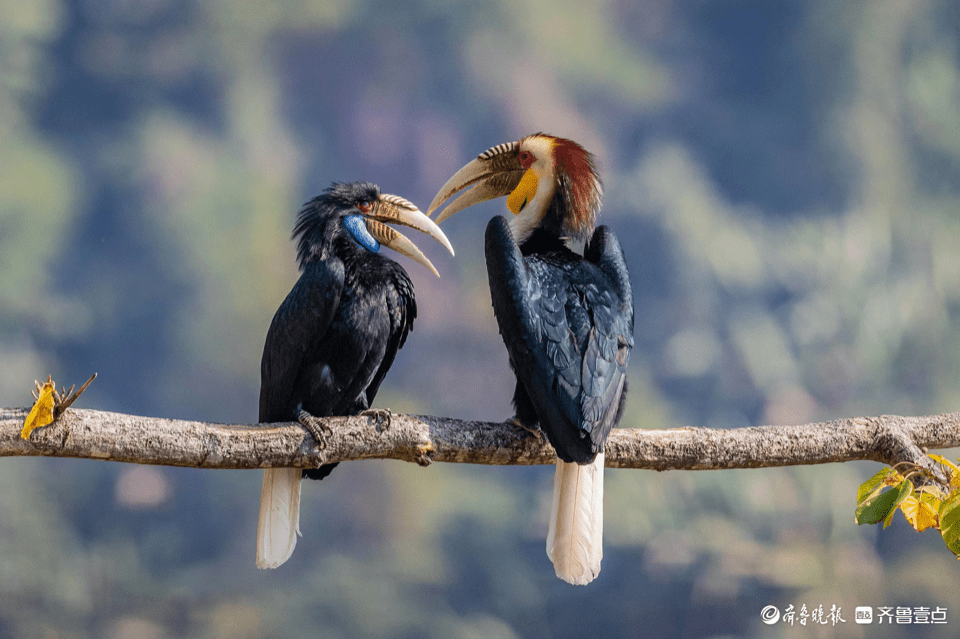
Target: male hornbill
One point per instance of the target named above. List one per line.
(567, 320)
(336, 334)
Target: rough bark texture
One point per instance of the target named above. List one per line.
(108, 436)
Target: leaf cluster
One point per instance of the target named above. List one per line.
(935, 503)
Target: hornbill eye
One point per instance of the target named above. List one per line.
(526, 159)
(370, 229)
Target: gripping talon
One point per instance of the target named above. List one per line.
(383, 417)
(533, 430)
(317, 429)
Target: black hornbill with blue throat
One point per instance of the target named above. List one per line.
(336, 334)
(566, 320)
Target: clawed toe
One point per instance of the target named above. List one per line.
(533, 430)
(315, 426)
(383, 417)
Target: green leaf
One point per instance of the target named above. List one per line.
(873, 485)
(889, 518)
(950, 522)
(882, 506)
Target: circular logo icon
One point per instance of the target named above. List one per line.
(770, 615)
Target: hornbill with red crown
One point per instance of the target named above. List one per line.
(567, 320)
(336, 334)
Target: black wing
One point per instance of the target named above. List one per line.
(402, 307)
(608, 350)
(568, 327)
(298, 325)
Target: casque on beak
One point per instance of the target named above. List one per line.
(396, 210)
(496, 172)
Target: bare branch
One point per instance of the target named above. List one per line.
(416, 438)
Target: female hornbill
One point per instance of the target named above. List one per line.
(336, 334)
(567, 320)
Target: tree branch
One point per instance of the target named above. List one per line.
(109, 436)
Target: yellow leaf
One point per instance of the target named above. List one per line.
(42, 412)
(949, 467)
(940, 459)
(920, 513)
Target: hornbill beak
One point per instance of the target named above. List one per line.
(396, 210)
(496, 172)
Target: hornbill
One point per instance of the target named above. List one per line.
(567, 320)
(336, 334)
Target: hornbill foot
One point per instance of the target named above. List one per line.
(383, 417)
(315, 426)
(424, 451)
(533, 430)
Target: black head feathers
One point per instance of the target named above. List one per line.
(336, 200)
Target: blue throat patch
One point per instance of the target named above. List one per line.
(358, 229)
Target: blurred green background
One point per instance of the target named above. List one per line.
(785, 179)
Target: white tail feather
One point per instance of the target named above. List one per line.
(279, 516)
(575, 537)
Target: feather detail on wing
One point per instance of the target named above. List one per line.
(575, 537)
(279, 516)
